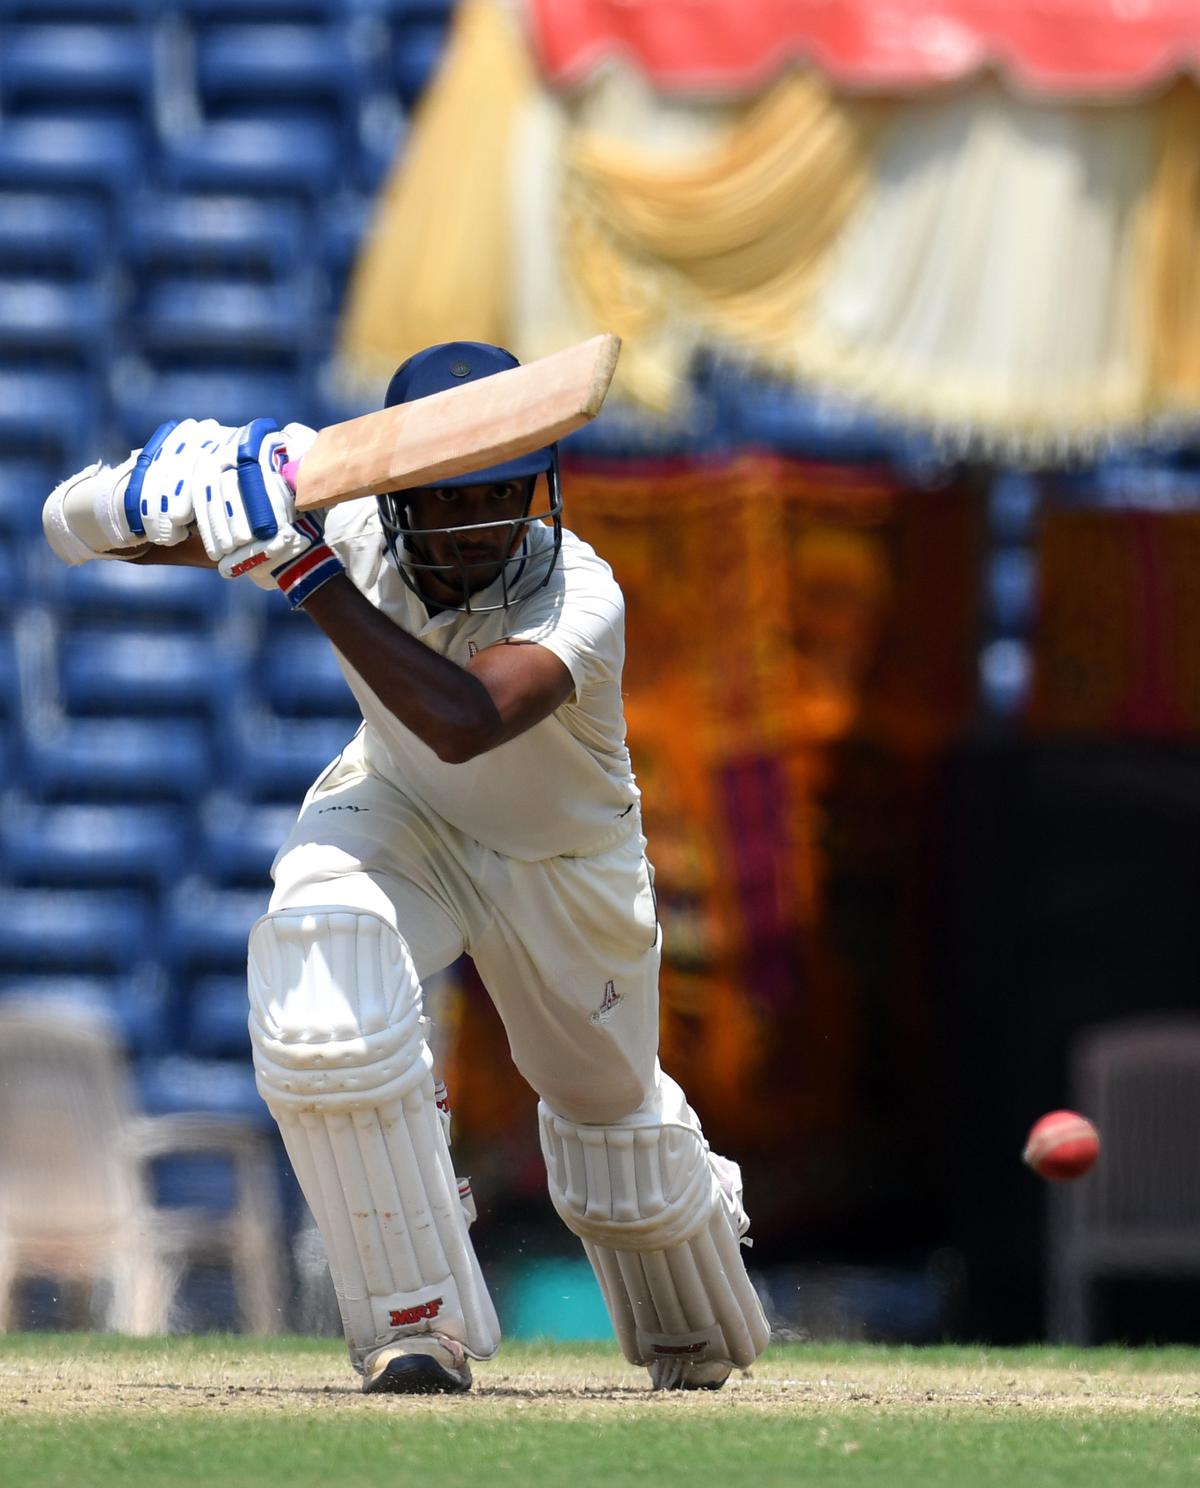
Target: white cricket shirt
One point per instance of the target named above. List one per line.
(565, 786)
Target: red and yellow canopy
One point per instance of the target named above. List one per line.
(971, 216)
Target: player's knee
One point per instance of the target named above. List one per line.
(609, 1106)
(335, 1009)
(621, 1092)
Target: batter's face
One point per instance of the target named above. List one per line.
(491, 515)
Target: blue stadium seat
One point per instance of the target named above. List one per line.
(208, 12)
(84, 12)
(93, 846)
(274, 759)
(11, 600)
(418, 42)
(50, 415)
(205, 929)
(343, 229)
(216, 1019)
(220, 1087)
(118, 759)
(99, 158)
(767, 412)
(24, 486)
(1122, 482)
(297, 676)
(393, 11)
(274, 322)
(384, 137)
(238, 839)
(147, 594)
(68, 324)
(180, 234)
(254, 71)
(63, 236)
(10, 674)
(81, 930)
(127, 672)
(137, 1002)
(78, 68)
(623, 431)
(293, 159)
(231, 394)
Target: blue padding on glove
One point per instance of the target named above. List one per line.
(259, 511)
(134, 506)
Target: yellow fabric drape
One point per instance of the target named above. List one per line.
(724, 249)
(667, 252)
(1025, 276)
(1174, 253)
(435, 265)
(990, 283)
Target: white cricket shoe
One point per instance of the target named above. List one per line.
(683, 1374)
(423, 1364)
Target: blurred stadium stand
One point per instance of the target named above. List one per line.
(183, 187)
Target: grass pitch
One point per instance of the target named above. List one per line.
(255, 1413)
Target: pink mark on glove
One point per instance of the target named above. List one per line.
(290, 472)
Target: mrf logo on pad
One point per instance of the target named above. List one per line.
(404, 1317)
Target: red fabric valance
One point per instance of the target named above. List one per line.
(1054, 47)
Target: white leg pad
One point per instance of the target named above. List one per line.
(661, 1221)
(342, 1063)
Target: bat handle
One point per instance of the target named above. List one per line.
(290, 472)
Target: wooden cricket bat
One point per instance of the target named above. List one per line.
(454, 432)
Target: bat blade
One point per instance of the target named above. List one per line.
(454, 432)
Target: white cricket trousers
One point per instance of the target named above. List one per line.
(568, 948)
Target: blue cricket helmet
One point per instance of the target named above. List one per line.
(449, 365)
(435, 370)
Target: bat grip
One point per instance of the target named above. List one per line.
(290, 472)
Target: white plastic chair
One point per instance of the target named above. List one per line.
(1138, 1212)
(75, 1198)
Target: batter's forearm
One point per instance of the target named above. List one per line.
(444, 705)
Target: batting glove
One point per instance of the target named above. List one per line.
(104, 509)
(158, 499)
(246, 512)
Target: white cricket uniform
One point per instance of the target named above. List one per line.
(529, 857)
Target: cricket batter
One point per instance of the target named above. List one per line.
(486, 805)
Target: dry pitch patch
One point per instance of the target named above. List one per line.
(72, 1376)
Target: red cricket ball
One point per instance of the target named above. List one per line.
(1063, 1145)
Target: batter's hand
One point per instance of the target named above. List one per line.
(246, 512)
(159, 498)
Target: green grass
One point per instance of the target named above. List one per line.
(93, 1412)
(971, 1450)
